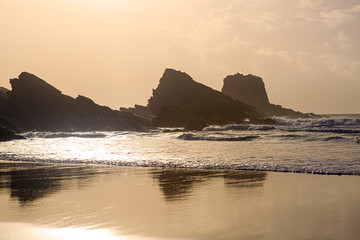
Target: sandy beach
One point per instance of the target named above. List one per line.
(54, 201)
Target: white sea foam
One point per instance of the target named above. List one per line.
(327, 146)
(64, 134)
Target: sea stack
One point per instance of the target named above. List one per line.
(179, 101)
(251, 90)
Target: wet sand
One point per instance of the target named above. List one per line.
(53, 201)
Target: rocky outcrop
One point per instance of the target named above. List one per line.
(34, 105)
(179, 101)
(7, 135)
(140, 111)
(250, 89)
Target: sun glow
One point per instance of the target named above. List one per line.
(79, 233)
(11, 231)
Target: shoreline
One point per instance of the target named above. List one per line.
(51, 201)
(171, 165)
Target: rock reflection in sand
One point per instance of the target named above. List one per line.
(177, 184)
(32, 181)
(53, 201)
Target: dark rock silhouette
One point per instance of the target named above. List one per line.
(140, 111)
(29, 182)
(34, 105)
(179, 101)
(251, 90)
(177, 184)
(7, 135)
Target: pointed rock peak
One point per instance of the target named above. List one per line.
(28, 82)
(174, 75)
(4, 92)
(85, 100)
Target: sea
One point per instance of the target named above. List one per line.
(326, 145)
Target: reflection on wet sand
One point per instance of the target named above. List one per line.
(31, 181)
(54, 201)
(244, 179)
(177, 184)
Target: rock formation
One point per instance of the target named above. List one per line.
(34, 105)
(7, 135)
(250, 89)
(179, 101)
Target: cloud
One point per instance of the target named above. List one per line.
(355, 68)
(262, 21)
(238, 54)
(331, 18)
(269, 52)
(250, 47)
(310, 4)
(327, 64)
(249, 13)
(335, 17)
(343, 41)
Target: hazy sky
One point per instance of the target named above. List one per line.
(115, 51)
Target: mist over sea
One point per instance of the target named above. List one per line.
(328, 145)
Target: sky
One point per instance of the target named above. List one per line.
(115, 51)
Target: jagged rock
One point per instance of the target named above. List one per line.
(140, 111)
(7, 135)
(34, 105)
(179, 101)
(250, 89)
(4, 92)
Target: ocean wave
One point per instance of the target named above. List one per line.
(193, 137)
(288, 136)
(336, 138)
(228, 127)
(321, 170)
(172, 130)
(326, 125)
(320, 125)
(64, 135)
(214, 128)
(320, 122)
(338, 130)
(323, 130)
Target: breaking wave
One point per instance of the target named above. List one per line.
(319, 146)
(322, 170)
(321, 125)
(239, 127)
(334, 138)
(193, 137)
(64, 135)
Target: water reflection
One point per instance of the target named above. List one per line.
(177, 184)
(32, 181)
(244, 179)
(29, 182)
(105, 202)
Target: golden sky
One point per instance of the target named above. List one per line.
(115, 51)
